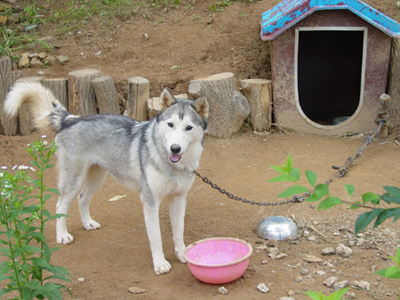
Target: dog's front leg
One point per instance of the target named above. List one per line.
(177, 208)
(151, 217)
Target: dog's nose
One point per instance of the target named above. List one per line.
(175, 149)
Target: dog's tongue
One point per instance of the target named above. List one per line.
(174, 158)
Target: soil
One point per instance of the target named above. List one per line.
(105, 263)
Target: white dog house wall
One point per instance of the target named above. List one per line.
(329, 61)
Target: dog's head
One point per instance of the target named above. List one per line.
(182, 124)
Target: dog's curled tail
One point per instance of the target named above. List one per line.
(46, 110)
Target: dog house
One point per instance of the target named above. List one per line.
(329, 62)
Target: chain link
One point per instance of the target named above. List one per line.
(341, 172)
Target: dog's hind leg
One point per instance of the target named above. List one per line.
(69, 185)
(177, 207)
(94, 180)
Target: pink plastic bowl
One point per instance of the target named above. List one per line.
(218, 260)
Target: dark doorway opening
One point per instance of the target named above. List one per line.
(329, 73)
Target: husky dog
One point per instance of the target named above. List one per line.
(157, 157)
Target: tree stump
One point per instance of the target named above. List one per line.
(26, 126)
(10, 125)
(259, 94)
(5, 70)
(393, 84)
(81, 96)
(138, 94)
(106, 94)
(228, 108)
(59, 88)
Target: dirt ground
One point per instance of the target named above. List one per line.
(105, 263)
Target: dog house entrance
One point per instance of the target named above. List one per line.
(330, 73)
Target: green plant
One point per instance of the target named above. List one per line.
(23, 218)
(370, 201)
(334, 296)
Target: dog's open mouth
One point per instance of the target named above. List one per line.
(175, 158)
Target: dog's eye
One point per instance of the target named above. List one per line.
(170, 124)
(188, 128)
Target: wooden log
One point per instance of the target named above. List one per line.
(394, 84)
(10, 125)
(228, 107)
(383, 115)
(81, 96)
(259, 94)
(59, 88)
(5, 70)
(26, 126)
(106, 94)
(138, 94)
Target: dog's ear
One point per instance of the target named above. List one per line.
(166, 99)
(201, 106)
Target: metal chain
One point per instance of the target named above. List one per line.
(341, 172)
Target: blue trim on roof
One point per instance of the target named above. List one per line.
(289, 12)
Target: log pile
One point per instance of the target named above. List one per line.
(87, 92)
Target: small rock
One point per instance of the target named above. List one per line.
(360, 242)
(312, 238)
(328, 251)
(304, 272)
(281, 255)
(62, 59)
(312, 259)
(23, 61)
(286, 298)
(263, 288)
(222, 290)
(81, 279)
(299, 279)
(42, 55)
(320, 273)
(341, 285)
(36, 63)
(350, 295)
(342, 250)
(365, 285)
(136, 290)
(329, 282)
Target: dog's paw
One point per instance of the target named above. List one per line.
(65, 238)
(179, 255)
(91, 225)
(162, 267)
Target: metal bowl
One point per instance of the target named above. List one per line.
(277, 228)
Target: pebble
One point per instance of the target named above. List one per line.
(81, 279)
(304, 272)
(136, 290)
(341, 285)
(328, 251)
(286, 298)
(329, 282)
(312, 259)
(344, 251)
(263, 288)
(320, 273)
(365, 285)
(222, 290)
